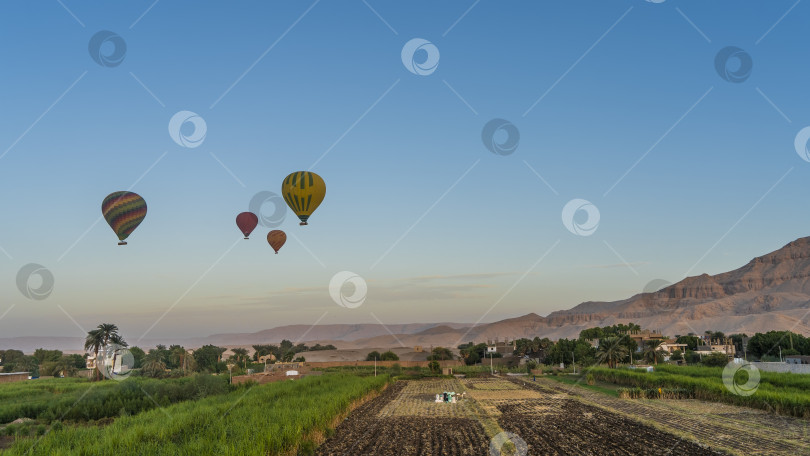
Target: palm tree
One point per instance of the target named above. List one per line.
(177, 355)
(612, 351)
(153, 366)
(94, 341)
(651, 350)
(64, 367)
(110, 333)
(240, 355)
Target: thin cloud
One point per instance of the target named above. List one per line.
(615, 265)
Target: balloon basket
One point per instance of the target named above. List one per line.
(246, 237)
(303, 223)
(122, 243)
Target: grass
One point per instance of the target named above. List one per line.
(782, 393)
(275, 418)
(71, 399)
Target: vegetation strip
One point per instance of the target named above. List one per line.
(787, 394)
(274, 418)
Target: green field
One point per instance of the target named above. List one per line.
(274, 418)
(783, 393)
(71, 399)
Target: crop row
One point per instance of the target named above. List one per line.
(76, 400)
(275, 418)
(783, 400)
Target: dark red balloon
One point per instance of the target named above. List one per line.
(247, 221)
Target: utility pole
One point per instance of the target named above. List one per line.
(375, 366)
(491, 370)
(780, 353)
(574, 362)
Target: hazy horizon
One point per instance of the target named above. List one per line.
(618, 103)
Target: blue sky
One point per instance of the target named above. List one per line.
(440, 228)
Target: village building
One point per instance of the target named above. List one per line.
(9, 377)
(797, 359)
(724, 346)
(504, 348)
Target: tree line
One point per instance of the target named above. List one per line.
(159, 362)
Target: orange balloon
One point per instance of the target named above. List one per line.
(276, 239)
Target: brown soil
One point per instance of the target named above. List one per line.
(364, 433)
(550, 423)
(574, 428)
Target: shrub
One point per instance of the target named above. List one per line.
(389, 356)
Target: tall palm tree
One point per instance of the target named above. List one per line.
(240, 355)
(108, 330)
(177, 355)
(94, 341)
(651, 350)
(612, 351)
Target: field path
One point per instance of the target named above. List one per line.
(734, 429)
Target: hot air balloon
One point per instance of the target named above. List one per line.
(124, 211)
(303, 191)
(247, 221)
(276, 239)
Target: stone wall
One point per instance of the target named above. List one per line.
(783, 367)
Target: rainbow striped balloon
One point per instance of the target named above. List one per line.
(124, 211)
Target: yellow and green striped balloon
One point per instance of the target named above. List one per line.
(303, 191)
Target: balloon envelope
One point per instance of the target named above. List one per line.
(276, 239)
(303, 191)
(124, 211)
(247, 221)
